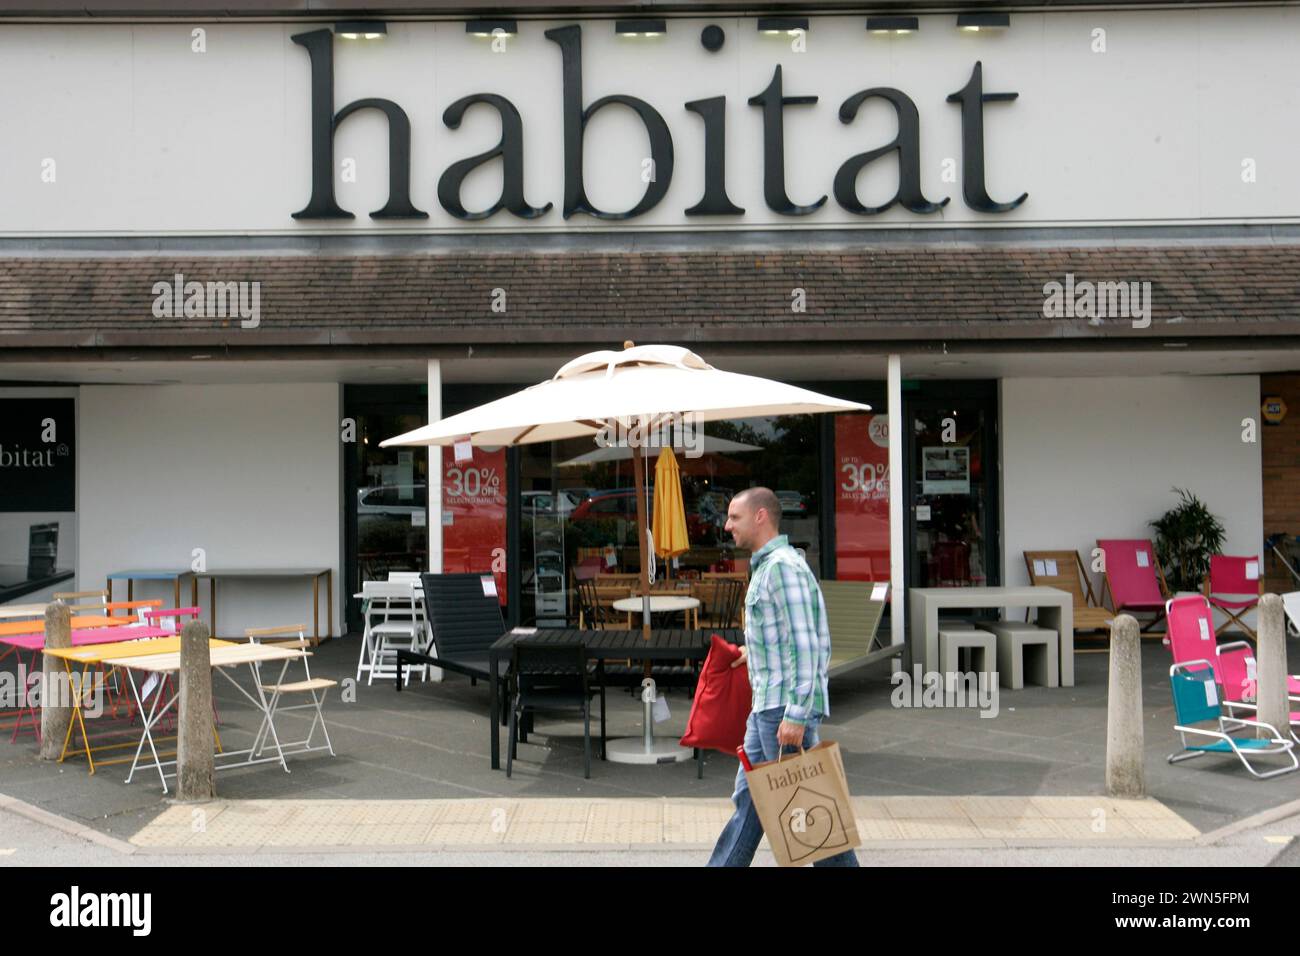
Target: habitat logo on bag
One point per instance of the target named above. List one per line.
(811, 822)
(803, 802)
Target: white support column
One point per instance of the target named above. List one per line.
(897, 554)
(435, 470)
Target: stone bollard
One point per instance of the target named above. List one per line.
(195, 739)
(56, 704)
(1271, 676)
(1125, 769)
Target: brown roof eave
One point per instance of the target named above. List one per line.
(321, 9)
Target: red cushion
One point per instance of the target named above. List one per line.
(722, 701)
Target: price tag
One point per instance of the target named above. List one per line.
(1252, 570)
(1204, 625)
(878, 591)
(489, 587)
(463, 450)
(660, 709)
(1211, 693)
(1144, 559)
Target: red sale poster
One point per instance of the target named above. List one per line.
(862, 497)
(474, 514)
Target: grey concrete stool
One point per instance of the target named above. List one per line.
(957, 636)
(1018, 641)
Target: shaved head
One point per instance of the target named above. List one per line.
(762, 498)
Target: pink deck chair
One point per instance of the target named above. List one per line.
(1234, 587)
(1190, 637)
(1134, 578)
(1234, 669)
(1189, 630)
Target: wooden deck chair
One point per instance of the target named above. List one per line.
(292, 636)
(1064, 571)
(853, 613)
(1134, 578)
(1234, 586)
(1196, 701)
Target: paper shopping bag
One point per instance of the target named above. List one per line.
(803, 803)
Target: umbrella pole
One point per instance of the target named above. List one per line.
(643, 584)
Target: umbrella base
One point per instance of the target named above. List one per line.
(633, 750)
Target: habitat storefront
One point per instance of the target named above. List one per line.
(1055, 251)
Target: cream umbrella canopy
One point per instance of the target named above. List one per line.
(624, 396)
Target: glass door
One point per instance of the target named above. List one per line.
(952, 495)
(386, 515)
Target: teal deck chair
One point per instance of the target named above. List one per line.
(1196, 700)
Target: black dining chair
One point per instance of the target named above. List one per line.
(550, 679)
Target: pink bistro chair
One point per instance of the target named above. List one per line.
(1134, 578)
(1234, 587)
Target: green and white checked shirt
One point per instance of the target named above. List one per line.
(786, 632)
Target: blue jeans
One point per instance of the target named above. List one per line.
(741, 835)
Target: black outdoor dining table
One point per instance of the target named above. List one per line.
(673, 645)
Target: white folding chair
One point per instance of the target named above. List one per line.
(426, 634)
(1291, 604)
(392, 624)
(292, 636)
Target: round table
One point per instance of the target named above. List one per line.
(647, 750)
(659, 604)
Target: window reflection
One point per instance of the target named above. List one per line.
(579, 505)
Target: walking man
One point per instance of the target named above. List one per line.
(787, 649)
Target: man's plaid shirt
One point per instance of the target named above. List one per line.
(786, 633)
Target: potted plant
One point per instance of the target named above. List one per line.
(1186, 537)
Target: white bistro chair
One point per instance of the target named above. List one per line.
(393, 623)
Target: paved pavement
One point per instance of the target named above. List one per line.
(430, 744)
(29, 838)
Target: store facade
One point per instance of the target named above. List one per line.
(1061, 250)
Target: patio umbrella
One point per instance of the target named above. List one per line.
(640, 388)
(669, 512)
